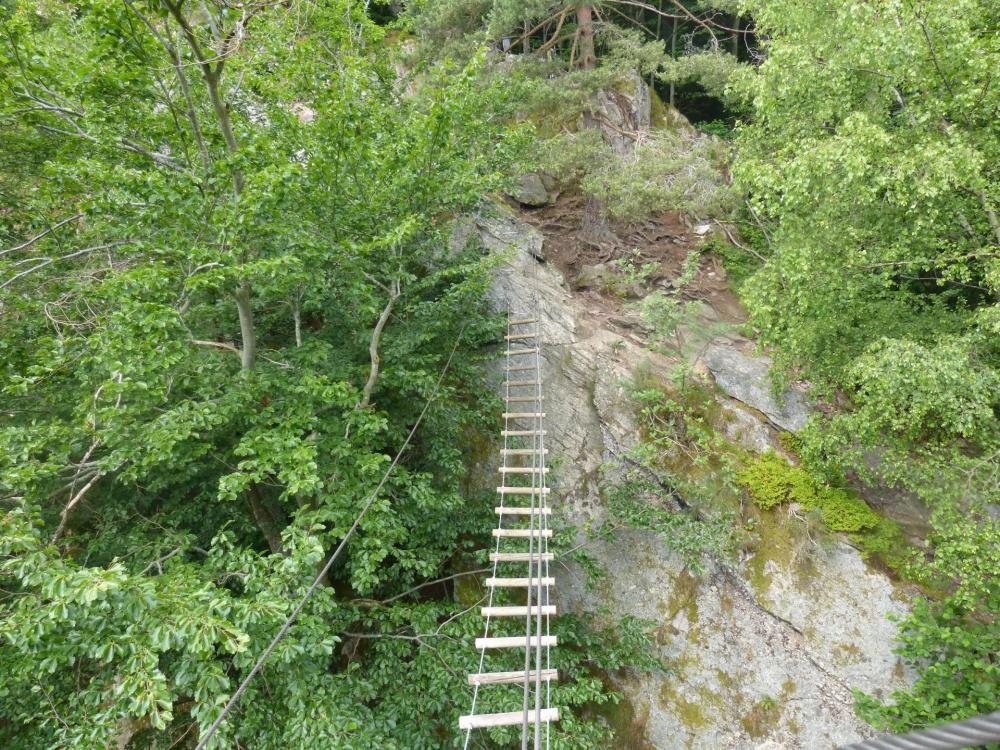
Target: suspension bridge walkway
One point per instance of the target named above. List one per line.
(520, 558)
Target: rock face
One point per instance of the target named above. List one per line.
(746, 379)
(762, 652)
(623, 112)
(503, 231)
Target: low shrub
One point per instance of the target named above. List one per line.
(772, 481)
(886, 543)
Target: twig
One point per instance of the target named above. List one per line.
(48, 261)
(431, 583)
(732, 239)
(64, 516)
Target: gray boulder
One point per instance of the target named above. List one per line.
(531, 190)
(746, 379)
(596, 276)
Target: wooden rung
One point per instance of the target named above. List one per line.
(532, 350)
(523, 414)
(523, 490)
(521, 321)
(512, 718)
(522, 451)
(522, 433)
(519, 368)
(523, 470)
(519, 336)
(515, 641)
(516, 510)
(547, 609)
(523, 533)
(522, 556)
(519, 583)
(515, 383)
(522, 399)
(515, 678)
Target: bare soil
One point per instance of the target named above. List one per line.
(666, 239)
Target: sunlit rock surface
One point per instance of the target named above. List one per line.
(762, 654)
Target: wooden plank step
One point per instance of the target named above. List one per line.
(522, 451)
(547, 609)
(522, 433)
(515, 641)
(520, 321)
(519, 583)
(523, 414)
(513, 678)
(523, 399)
(517, 510)
(519, 336)
(511, 718)
(523, 490)
(523, 470)
(515, 383)
(523, 533)
(522, 556)
(520, 368)
(532, 350)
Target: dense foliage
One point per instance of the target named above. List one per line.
(579, 72)
(872, 160)
(227, 295)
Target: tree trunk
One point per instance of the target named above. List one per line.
(270, 518)
(595, 224)
(673, 56)
(225, 124)
(297, 318)
(248, 353)
(585, 25)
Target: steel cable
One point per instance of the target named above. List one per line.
(954, 736)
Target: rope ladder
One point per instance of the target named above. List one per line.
(522, 519)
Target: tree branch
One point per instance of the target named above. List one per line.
(49, 261)
(431, 583)
(217, 345)
(373, 346)
(33, 240)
